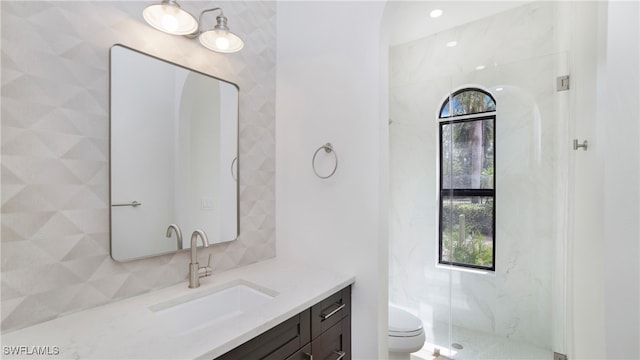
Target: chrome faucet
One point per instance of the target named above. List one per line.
(175, 228)
(195, 271)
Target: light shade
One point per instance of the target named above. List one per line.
(222, 41)
(170, 18)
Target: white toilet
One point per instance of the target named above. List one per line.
(406, 334)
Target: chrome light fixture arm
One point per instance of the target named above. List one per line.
(199, 30)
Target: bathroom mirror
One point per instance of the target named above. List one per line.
(173, 155)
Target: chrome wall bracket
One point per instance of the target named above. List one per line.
(577, 146)
(562, 83)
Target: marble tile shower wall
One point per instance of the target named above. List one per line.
(55, 116)
(517, 48)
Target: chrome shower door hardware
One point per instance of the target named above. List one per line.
(576, 146)
(562, 83)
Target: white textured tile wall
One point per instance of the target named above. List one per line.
(55, 118)
(517, 48)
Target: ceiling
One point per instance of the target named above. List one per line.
(410, 20)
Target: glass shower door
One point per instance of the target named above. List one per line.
(482, 291)
(507, 293)
(467, 121)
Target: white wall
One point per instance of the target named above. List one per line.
(585, 264)
(328, 90)
(603, 258)
(620, 120)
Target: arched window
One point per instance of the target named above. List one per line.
(467, 183)
(466, 102)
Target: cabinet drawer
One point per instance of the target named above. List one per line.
(277, 343)
(302, 354)
(330, 311)
(335, 343)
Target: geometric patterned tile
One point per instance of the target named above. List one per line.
(55, 124)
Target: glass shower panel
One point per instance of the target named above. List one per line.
(450, 228)
(513, 310)
(472, 305)
(450, 225)
(419, 284)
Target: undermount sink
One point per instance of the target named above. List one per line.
(205, 308)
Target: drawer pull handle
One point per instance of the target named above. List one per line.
(325, 316)
(340, 354)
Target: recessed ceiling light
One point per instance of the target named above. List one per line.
(435, 13)
(480, 67)
(499, 89)
(452, 43)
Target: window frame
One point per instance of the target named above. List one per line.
(444, 193)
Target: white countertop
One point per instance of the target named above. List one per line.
(128, 329)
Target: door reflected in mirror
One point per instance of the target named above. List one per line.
(173, 155)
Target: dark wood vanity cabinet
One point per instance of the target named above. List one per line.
(322, 332)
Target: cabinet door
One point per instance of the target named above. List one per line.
(335, 343)
(330, 311)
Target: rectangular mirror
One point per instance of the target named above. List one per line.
(173, 155)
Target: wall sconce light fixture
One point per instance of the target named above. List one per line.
(169, 17)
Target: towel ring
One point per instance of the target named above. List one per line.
(328, 148)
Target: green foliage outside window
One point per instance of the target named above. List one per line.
(477, 246)
(474, 249)
(478, 216)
